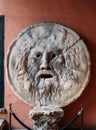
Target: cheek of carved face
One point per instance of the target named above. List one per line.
(58, 64)
(33, 67)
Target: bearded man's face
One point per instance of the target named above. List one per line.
(45, 64)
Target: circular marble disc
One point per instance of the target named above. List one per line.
(48, 64)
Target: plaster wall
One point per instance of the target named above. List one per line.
(80, 15)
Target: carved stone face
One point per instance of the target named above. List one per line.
(45, 63)
(48, 64)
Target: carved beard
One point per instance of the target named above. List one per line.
(47, 91)
(45, 87)
(45, 84)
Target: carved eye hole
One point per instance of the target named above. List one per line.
(53, 55)
(38, 54)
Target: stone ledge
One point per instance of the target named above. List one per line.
(3, 110)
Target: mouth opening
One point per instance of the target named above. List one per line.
(46, 76)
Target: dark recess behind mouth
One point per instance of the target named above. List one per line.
(46, 76)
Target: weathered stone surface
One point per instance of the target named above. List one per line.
(48, 64)
(3, 124)
(46, 118)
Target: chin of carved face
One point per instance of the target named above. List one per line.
(45, 79)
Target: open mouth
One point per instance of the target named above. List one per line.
(45, 76)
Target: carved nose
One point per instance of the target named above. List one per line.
(45, 66)
(45, 63)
